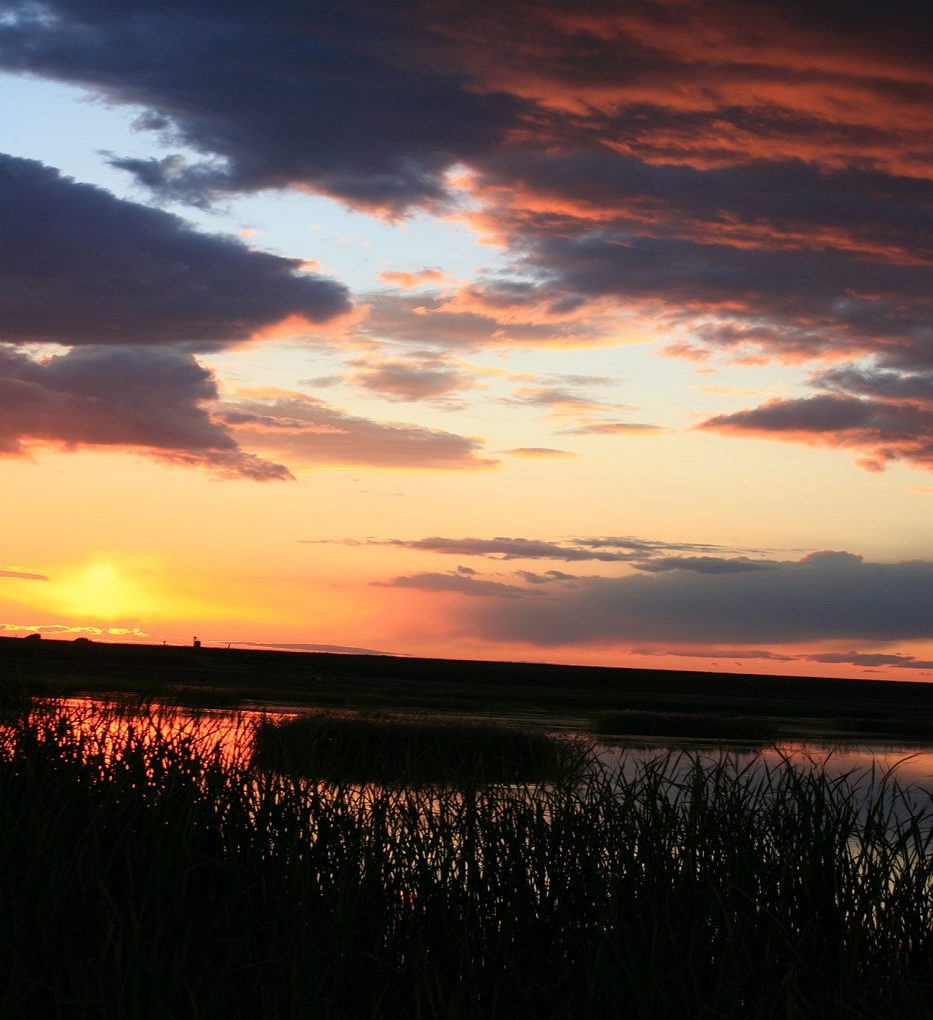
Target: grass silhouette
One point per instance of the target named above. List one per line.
(413, 751)
(154, 871)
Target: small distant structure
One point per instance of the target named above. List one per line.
(33, 637)
(196, 643)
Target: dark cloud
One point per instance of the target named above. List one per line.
(821, 599)
(754, 179)
(780, 302)
(789, 204)
(335, 97)
(374, 104)
(644, 545)
(79, 266)
(879, 384)
(871, 659)
(832, 558)
(154, 400)
(879, 431)
(704, 564)
(457, 583)
(609, 549)
(306, 431)
(548, 577)
(509, 549)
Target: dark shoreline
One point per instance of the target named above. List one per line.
(800, 707)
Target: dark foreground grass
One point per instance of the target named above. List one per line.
(148, 874)
(419, 751)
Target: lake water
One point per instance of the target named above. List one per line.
(232, 731)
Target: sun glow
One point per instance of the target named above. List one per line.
(102, 590)
(110, 589)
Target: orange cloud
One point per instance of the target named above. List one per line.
(410, 281)
(538, 452)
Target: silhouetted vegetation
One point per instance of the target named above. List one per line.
(153, 871)
(412, 751)
(694, 725)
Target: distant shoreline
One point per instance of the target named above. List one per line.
(805, 708)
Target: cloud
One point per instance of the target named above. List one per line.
(871, 659)
(538, 452)
(62, 630)
(411, 281)
(306, 431)
(607, 549)
(562, 401)
(298, 647)
(548, 577)
(332, 88)
(411, 379)
(333, 98)
(458, 583)
(717, 653)
(154, 400)
(434, 320)
(754, 183)
(322, 382)
(23, 576)
(508, 549)
(820, 599)
(879, 431)
(79, 266)
(612, 428)
(704, 564)
(574, 403)
(879, 384)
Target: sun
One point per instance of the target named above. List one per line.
(102, 590)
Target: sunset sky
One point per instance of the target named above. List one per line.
(596, 333)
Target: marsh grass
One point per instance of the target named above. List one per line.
(414, 751)
(151, 873)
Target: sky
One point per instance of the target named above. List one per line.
(591, 333)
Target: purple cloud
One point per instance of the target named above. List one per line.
(79, 266)
(155, 400)
(459, 584)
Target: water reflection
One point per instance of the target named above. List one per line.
(105, 728)
(227, 736)
(910, 766)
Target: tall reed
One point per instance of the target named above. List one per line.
(150, 872)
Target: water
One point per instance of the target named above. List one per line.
(232, 732)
